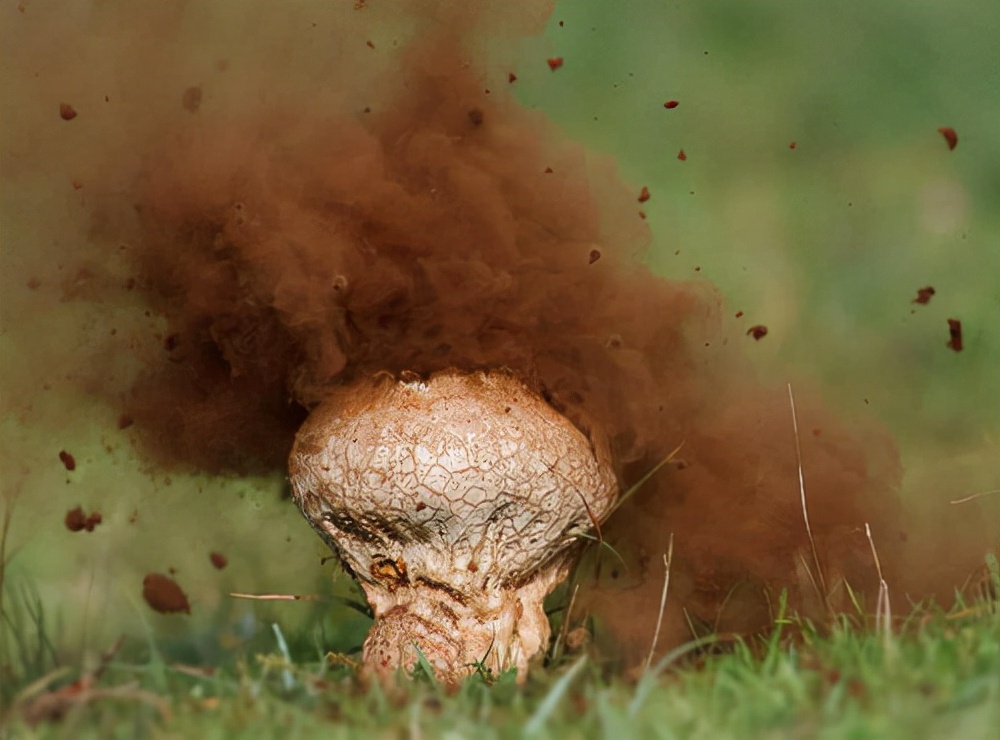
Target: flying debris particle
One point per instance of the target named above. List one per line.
(125, 421)
(476, 117)
(191, 100)
(671, 104)
(219, 560)
(682, 156)
(548, 170)
(77, 185)
(370, 44)
(739, 314)
(924, 295)
(758, 332)
(791, 145)
(511, 78)
(68, 460)
(77, 521)
(555, 63)
(67, 112)
(164, 595)
(642, 215)
(595, 254)
(949, 135)
(644, 194)
(955, 332)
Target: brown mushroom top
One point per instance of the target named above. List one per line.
(469, 475)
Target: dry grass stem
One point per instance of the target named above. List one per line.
(974, 496)
(36, 705)
(802, 494)
(883, 610)
(809, 573)
(642, 481)
(667, 559)
(277, 597)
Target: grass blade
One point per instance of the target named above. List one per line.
(552, 699)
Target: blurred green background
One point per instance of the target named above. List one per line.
(826, 244)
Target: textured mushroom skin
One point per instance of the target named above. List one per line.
(457, 502)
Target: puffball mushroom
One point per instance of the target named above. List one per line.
(458, 503)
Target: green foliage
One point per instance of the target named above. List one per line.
(939, 677)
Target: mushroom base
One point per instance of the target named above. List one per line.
(459, 633)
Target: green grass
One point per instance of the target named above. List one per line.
(937, 675)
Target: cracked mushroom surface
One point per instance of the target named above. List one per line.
(458, 503)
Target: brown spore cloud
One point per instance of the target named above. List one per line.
(387, 215)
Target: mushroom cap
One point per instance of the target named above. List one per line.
(467, 482)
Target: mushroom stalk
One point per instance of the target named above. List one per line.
(458, 503)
